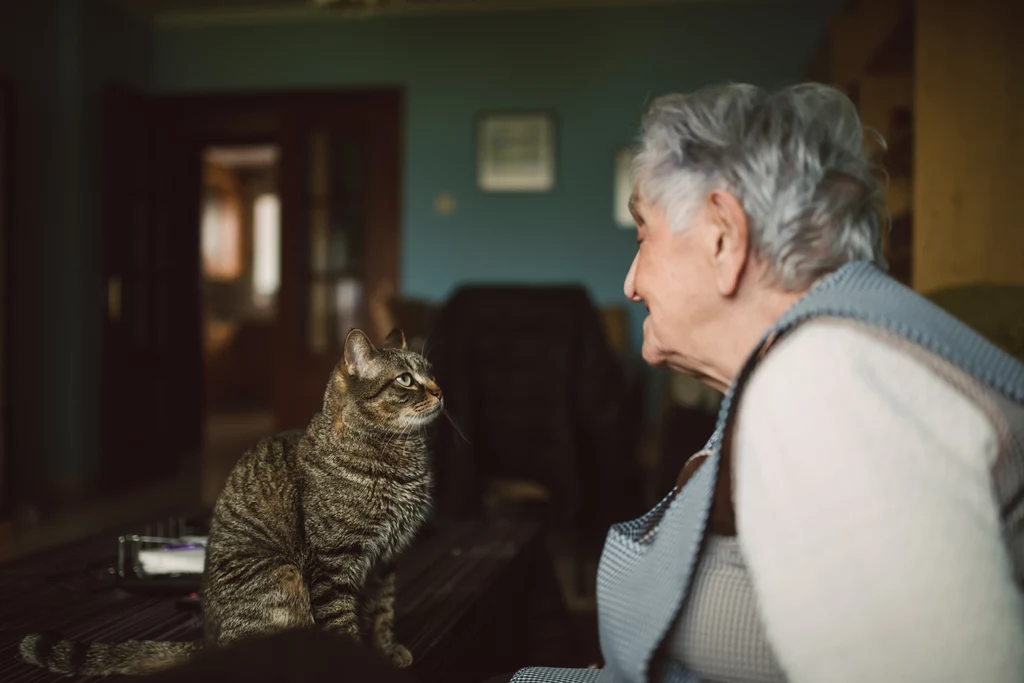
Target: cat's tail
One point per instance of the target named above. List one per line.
(134, 657)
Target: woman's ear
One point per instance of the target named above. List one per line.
(731, 234)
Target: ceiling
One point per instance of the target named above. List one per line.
(204, 11)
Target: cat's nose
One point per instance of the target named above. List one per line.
(434, 390)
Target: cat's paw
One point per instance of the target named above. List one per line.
(400, 656)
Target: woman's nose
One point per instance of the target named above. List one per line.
(629, 286)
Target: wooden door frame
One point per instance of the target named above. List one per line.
(200, 119)
(147, 428)
(191, 108)
(8, 110)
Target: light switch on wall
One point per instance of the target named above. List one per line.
(444, 204)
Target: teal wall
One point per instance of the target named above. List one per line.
(594, 68)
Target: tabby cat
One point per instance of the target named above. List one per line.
(309, 524)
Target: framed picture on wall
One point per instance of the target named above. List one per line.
(515, 152)
(623, 188)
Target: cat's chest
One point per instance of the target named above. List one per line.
(395, 514)
(402, 512)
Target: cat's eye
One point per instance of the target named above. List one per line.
(404, 380)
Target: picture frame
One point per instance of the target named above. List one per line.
(516, 151)
(622, 184)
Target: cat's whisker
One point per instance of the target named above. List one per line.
(404, 438)
(387, 443)
(391, 438)
(451, 419)
(397, 439)
(426, 342)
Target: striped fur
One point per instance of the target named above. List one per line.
(309, 524)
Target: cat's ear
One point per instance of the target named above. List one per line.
(358, 352)
(396, 339)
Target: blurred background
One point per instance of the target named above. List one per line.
(198, 198)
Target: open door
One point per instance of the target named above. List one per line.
(152, 366)
(338, 170)
(341, 211)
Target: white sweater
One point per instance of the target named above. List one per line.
(867, 518)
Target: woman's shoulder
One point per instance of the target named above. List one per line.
(854, 354)
(862, 472)
(845, 376)
(836, 341)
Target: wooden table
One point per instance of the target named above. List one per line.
(467, 593)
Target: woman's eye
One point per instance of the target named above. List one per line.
(404, 380)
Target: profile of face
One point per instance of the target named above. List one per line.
(743, 200)
(684, 279)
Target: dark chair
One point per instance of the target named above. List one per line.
(540, 396)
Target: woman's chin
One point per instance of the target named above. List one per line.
(651, 354)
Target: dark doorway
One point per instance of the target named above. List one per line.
(235, 275)
(240, 254)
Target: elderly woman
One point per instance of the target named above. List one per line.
(858, 514)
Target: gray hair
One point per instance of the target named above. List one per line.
(794, 159)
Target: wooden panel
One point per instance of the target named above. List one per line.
(6, 216)
(969, 142)
(856, 35)
(879, 97)
(871, 50)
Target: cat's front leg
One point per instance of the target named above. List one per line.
(338, 583)
(378, 616)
